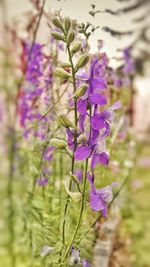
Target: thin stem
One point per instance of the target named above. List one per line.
(61, 178)
(110, 204)
(80, 213)
(75, 141)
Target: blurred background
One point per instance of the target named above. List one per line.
(133, 239)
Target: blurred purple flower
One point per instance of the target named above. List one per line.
(85, 263)
(48, 154)
(42, 181)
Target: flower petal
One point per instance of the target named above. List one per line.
(82, 152)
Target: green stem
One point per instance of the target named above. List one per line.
(110, 204)
(61, 178)
(80, 213)
(75, 141)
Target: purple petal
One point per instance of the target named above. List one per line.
(116, 105)
(81, 122)
(98, 99)
(85, 263)
(95, 160)
(96, 202)
(82, 106)
(97, 122)
(104, 158)
(99, 83)
(42, 181)
(82, 152)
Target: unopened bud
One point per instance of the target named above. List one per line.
(64, 121)
(76, 48)
(58, 36)
(67, 24)
(61, 73)
(70, 37)
(75, 196)
(58, 24)
(74, 178)
(83, 60)
(81, 90)
(65, 65)
(58, 143)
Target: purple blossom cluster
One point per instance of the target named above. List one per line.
(34, 94)
(94, 128)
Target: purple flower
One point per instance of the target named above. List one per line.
(103, 119)
(94, 149)
(75, 256)
(42, 181)
(100, 198)
(96, 83)
(48, 154)
(83, 152)
(129, 66)
(85, 263)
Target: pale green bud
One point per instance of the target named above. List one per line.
(75, 196)
(64, 121)
(83, 60)
(67, 24)
(58, 143)
(65, 65)
(74, 178)
(70, 38)
(58, 36)
(58, 24)
(81, 90)
(77, 47)
(61, 73)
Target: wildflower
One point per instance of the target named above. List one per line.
(48, 153)
(100, 198)
(85, 263)
(75, 257)
(42, 181)
(96, 149)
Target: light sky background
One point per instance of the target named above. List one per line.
(79, 9)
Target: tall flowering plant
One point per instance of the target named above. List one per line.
(61, 146)
(87, 129)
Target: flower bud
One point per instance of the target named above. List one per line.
(61, 73)
(65, 65)
(58, 36)
(74, 178)
(83, 60)
(64, 121)
(81, 90)
(70, 38)
(75, 196)
(76, 48)
(67, 24)
(58, 143)
(58, 24)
